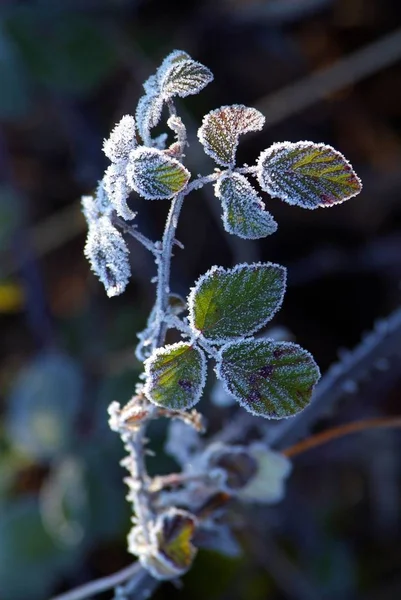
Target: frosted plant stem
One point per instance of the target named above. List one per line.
(132, 231)
(164, 267)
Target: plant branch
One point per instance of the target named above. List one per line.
(133, 231)
(101, 585)
(341, 431)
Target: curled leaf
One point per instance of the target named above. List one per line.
(306, 174)
(116, 188)
(107, 253)
(243, 211)
(269, 379)
(176, 376)
(222, 127)
(154, 175)
(228, 304)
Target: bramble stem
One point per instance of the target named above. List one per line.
(132, 231)
(341, 431)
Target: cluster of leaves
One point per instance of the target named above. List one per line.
(226, 307)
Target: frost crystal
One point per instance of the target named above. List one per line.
(122, 140)
(243, 211)
(184, 78)
(108, 255)
(307, 175)
(94, 207)
(221, 128)
(115, 184)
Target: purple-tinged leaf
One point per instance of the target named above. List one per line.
(244, 214)
(154, 175)
(306, 174)
(269, 379)
(222, 127)
(176, 376)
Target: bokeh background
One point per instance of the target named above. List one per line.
(322, 70)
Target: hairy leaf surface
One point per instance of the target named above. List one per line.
(184, 78)
(269, 379)
(175, 376)
(307, 174)
(243, 211)
(154, 175)
(222, 127)
(229, 304)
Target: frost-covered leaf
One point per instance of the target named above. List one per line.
(107, 253)
(154, 175)
(268, 484)
(222, 127)
(243, 211)
(171, 59)
(94, 207)
(307, 174)
(269, 379)
(148, 113)
(184, 78)
(169, 552)
(116, 188)
(228, 304)
(122, 140)
(176, 376)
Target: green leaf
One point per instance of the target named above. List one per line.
(184, 78)
(269, 379)
(176, 376)
(222, 127)
(243, 211)
(229, 304)
(155, 176)
(307, 175)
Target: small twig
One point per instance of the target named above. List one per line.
(341, 431)
(132, 231)
(101, 585)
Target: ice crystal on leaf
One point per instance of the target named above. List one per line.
(243, 211)
(221, 128)
(306, 174)
(175, 376)
(115, 184)
(229, 304)
(122, 140)
(154, 175)
(270, 379)
(99, 205)
(108, 255)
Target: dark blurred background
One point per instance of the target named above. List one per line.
(323, 70)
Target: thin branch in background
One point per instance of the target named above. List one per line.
(339, 432)
(105, 583)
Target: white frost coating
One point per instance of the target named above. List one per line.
(246, 300)
(115, 185)
(244, 213)
(280, 392)
(184, 78)
(197, 386)
(306, 174)
(121, 141)
(107, 253)
(154, 175)
(268, 485)
(94, 207)
(114, 411)
(148, 113)
(221, 128)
